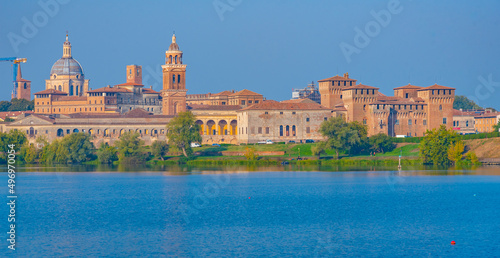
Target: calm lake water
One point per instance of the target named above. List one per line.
(253, 212)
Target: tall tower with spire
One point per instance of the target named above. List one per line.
(174, 81)
(67, 74)
(22, 88)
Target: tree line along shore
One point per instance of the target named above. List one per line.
(345, 144)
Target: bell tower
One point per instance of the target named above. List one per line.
(174, 81)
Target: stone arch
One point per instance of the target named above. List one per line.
(202, 128)
(122, 131)
(75, 130)
(211, 127)
(234, 127)
(223, 128)
(60, 132)
(60, 88)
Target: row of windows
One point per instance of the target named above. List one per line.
(457, 123)
(424, 122)
(367, 91)
(105, 132)
(284, 130)
(344, 82)
(38, 110)
(403, 106)
(444, 92)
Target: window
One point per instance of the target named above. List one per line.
(444, 120)
(281, 113)
(397, 122)
(467, 123)
(440, 107)
(259, 130)
(293, 113)
(340, 96)
(308, 129)
(287, 130)
(406, 95)
(351, 83)
(293, 130)
(281, 130)
(256, 102)
(409, 121)
(267, 130)
(325, 118)
(242, 102)
(364, 121)
(266, 113)
(307, 119)
(424, 122)
(364, 107)
(178, 78)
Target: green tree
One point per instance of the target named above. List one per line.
(29, 153)
(319, 148)
(130, 148)
(106, 153)
(472, 157)
(48, 154)
(76, 148)
(496, 128)
(462, 102)
(21, 105)
(381, 143)
(343, 136)
(159, 149)
(251, 154)
(434, 146)
(4, 105)
(182, 131)
(15, 137)
(455, 152)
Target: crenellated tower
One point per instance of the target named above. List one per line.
(174, 81)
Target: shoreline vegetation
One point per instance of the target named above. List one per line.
(345, 144)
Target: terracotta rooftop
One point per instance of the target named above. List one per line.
(134, 113)
(336, 78)
(275, 105)
(223, 93)
(51, 91)
(3, 115)
(437, 87)
(457, 112)
(487, 115)
(408, 87)
(110, 89)
(129, 84)
(305, 100)
(214, 107)
(360, 86)
(246, 92)
(149, 91)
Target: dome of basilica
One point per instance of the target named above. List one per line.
(67, 66)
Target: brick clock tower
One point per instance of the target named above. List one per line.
(174, 81)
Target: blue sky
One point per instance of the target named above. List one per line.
(269, 47)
